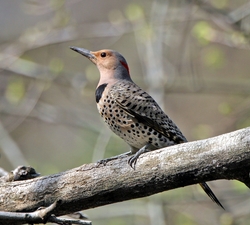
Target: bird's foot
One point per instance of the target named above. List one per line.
(133, 159)
(105, 161)
(102, 162)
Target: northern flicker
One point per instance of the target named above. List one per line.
(130, 112)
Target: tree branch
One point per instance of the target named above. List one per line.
(223, 157)
(39, 216)
(224, 18)
(42, 215)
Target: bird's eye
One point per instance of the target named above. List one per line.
(103, 54)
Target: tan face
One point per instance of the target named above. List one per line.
(105, 59)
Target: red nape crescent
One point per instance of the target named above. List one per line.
(125, 65)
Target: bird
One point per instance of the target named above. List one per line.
(130, 112)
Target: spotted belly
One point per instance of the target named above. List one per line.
(134, 133)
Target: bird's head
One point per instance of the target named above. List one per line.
(111, 64)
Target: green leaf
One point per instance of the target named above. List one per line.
(15, 91)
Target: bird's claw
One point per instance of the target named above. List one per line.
(132, 161)
(105, 161)
(102, 162)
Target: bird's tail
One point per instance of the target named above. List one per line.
(210, 193)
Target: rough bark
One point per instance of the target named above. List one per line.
(223, 157)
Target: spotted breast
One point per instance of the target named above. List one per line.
(134, 116)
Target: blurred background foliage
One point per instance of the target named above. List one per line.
(192, 56)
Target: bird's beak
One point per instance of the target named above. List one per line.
(86, 53)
